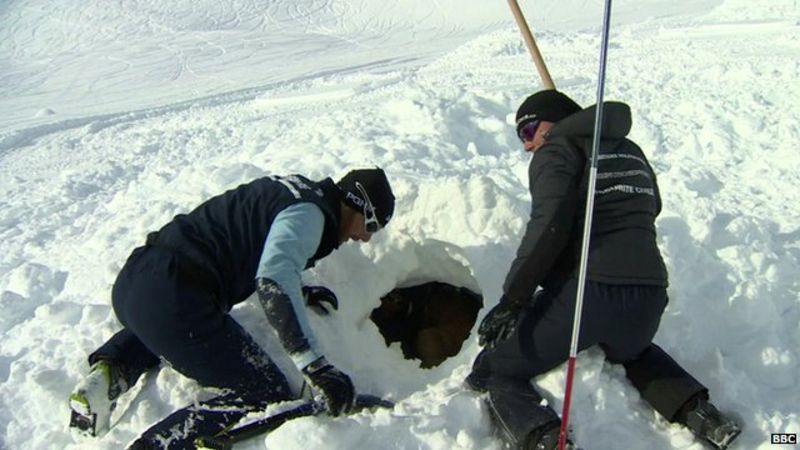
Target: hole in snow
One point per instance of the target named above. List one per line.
(430, 321)
(360, 275)
(399, 262)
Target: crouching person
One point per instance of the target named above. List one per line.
(529, 331)
(173, 296)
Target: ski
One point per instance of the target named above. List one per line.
(226, 439)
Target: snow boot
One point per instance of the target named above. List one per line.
(706, 422)
(94, 399)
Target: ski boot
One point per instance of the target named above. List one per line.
(94, 398)
(706, 422)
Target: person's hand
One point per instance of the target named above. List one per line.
(316, 298)
(334, 385)
(498, 325)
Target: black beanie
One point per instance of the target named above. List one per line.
(549, 105)
(376, 184)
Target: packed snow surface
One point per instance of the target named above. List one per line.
(115, 116)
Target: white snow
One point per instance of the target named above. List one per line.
(115, 116)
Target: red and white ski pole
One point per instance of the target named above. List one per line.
(587, 228)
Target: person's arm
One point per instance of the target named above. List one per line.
(293, 239)
(554, 176)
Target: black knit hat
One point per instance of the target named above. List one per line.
(549, 105)
(377, 188)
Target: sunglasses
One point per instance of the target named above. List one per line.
(528, 131)
(371, 223)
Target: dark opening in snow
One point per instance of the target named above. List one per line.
(431, 321)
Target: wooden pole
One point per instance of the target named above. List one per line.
(531, 44)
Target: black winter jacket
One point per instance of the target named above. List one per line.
(220, 242)
(622, 247)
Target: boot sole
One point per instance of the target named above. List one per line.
(728, 440)
(81, 417)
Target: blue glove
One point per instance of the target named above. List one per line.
(499, 324)
(317, 296)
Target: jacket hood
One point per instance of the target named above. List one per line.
(616, 122)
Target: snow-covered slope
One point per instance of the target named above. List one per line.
(114, 118)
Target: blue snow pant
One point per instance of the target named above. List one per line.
(169, 315)
(621, 319)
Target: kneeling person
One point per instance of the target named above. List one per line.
(174, 294)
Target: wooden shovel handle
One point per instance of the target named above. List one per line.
(531, 44)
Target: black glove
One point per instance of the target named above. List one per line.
(317, 296)
(333, 384)
(498, 325)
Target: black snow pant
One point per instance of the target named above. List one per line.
(621, 319)
(165, 315)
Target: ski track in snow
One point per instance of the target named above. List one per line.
(714, 97)
(149, 53)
